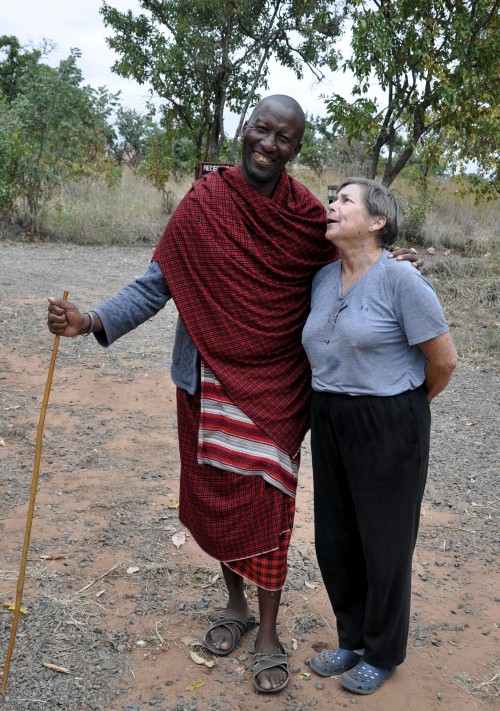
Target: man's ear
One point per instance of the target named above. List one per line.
(297, 150)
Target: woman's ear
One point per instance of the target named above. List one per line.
(378, 223)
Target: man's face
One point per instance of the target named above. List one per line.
(270, 139)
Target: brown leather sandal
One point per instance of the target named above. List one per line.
(268, 661)
(237, 628)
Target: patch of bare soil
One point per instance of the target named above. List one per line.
(115, 602)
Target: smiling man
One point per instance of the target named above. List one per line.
(271, 138)
(238, 257)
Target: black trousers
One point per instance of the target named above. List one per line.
(370, 458)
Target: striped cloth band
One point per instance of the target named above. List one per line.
(229, 440)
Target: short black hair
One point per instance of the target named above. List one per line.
(290, 103)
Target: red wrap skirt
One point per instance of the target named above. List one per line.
(242, 521)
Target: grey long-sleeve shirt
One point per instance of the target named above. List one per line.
(137, 302)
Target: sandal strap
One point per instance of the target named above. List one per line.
(227, 622)
(268, 661)
(236, 627)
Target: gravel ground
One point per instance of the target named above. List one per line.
(119, 607)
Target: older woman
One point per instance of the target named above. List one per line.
(380, 351)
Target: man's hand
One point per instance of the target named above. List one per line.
(64, 319)
(408, 255)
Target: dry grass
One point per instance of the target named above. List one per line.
(132, 211)
(303, 623)
(459, 224)
(127, 212)
(487, 687)
(469, 291)
(317, 184)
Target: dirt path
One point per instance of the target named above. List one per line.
(115, 602)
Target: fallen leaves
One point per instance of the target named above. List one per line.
(56, 668)
(11, 606)
(311, 586)
(198, 659)
(178, 539)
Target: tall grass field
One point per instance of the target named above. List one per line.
(459, 240)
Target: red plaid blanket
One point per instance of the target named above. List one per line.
(239, 267)
(229, 440)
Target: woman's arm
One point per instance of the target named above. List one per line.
(442, 359)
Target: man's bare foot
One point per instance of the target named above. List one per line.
(225, 637)
(273, 677)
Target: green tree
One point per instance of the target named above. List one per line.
(322, 149)
(53, 129)
(437, 64)
(11, 153)
(316, 151)
(131, 133)
(167, 153)
(477, 142)
(202, 57)
(14, 62)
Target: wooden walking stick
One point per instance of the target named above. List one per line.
(31, 509)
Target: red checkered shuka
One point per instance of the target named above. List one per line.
(239, 267)
(268, 570)
(243, 521)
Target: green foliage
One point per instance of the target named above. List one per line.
(202, 57)
(323, 149)
(53, 129)
(15, 63)
(483, 188)
(482, 145)
(131, 133)
(438, 65)
(414, 211)
(158, 164)
(316, 151)
(11, 150)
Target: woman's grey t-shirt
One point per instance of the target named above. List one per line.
(365, 341)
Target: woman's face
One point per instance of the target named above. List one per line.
(347, 217)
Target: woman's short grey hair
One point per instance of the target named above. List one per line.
(378, 200)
